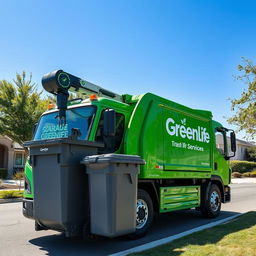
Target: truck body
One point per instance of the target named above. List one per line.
(184, 168)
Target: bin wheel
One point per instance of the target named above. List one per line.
(87, 235)
(211, 203)
(144, 214)
(38, 227)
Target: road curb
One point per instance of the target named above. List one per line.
(169, 239)
(10, 200)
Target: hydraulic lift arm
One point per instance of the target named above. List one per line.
(61, 83)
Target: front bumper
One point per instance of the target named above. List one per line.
(28, 208)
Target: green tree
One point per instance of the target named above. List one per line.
(245, 106)
(20, 107)
(251, 154)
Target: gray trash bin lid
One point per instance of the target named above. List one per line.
(113, 158)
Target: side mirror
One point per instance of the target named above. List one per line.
(109, 125)
(230, 144)
(233, 141)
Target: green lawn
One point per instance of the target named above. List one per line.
(11, 194)
(236, 238)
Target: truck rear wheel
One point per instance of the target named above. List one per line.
(144, 214)
(211, 203)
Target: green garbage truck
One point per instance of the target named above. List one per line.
(107, 164)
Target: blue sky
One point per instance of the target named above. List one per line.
(186, 51)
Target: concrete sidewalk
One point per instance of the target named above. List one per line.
(243, 180)
(11, 185)
(13, 182)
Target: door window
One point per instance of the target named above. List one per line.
(220, 142)
(120, 122)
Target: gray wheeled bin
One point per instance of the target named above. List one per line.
(113, 193)
(60, 183)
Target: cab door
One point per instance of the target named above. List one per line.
(114, 143)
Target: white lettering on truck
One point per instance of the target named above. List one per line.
(198, 134)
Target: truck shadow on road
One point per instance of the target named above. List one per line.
(165, 225)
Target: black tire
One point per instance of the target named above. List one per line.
(144, 216)
(39, 227)
(211, 203)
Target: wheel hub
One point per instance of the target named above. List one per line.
(142, 214)
(215, 201)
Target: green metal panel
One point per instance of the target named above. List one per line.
(178, 198)
(187, 140)
(183, 153)
(29, 177)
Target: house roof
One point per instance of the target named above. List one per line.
(238, 142)
(246, 143)
(14, 144)
(17, 146)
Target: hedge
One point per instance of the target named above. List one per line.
(236, 175)
(3, 173)
(249, 174)
(11, 194)
(242, 166)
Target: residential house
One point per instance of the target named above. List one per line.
(12, 155)
(241, 147)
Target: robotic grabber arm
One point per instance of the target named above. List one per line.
(61, 83)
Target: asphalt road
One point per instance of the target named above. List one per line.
(18, 238)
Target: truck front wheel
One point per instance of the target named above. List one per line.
(211, 204)
(144, 214)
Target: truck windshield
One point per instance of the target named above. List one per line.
(81, 118)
